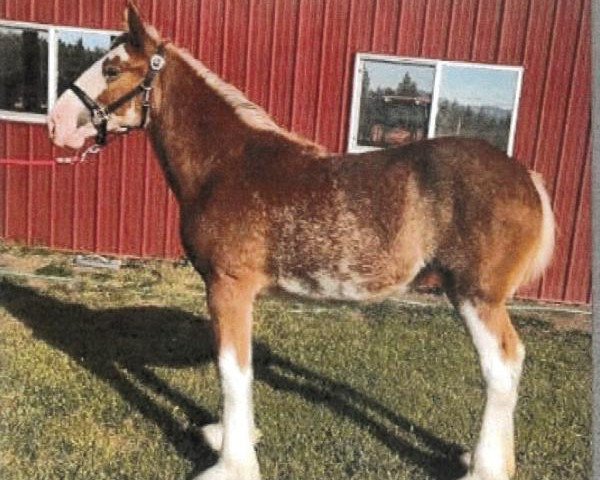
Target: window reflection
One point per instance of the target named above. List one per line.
(395, 103)
(24, 72)
(476, 102)
(401, 100)
(77, 51)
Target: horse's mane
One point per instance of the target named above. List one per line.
(248, 112)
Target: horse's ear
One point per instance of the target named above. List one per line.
(134, 25)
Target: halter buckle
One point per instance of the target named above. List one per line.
(99, 116)
(157, 62)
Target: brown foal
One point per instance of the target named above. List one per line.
(265, 210)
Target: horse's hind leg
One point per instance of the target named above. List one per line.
(501, 355)
(230, 303)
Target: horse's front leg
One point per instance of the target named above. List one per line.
(230, 303)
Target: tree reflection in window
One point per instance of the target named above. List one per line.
(24, 72)
(477, 102)
(395, 103)
(76, 52)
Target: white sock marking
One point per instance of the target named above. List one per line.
(494, 451)
(238, 423)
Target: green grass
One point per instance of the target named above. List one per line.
(55, 270)
(110, 377)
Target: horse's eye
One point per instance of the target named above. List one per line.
(111, 72)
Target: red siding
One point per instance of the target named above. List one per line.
(295, 58)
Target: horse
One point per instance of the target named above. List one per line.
(264, 210)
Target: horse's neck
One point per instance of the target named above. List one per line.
(194, 131)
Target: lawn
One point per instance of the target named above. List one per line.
(108, 375)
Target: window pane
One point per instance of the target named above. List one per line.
(477, 102)
(395, 103)
(77, 51)
(24, 70)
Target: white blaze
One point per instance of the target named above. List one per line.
(92, 81)
(64, 120)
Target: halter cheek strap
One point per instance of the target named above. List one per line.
(101, 114)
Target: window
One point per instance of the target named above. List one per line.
(398, 100)
(76, 52)
(40, 61)
(24, 74)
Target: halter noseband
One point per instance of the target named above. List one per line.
(101, 114)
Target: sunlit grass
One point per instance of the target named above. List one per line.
(110, 375)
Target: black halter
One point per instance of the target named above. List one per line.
(101, 114)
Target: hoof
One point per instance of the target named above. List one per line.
(465, 459)
(213, 436)
(476, 472)
(223, 471)
(475, 475)
(481, 468)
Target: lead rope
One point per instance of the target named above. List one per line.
(91, 150)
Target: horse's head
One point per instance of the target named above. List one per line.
(113, 94)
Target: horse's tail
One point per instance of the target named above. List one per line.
(543, 253)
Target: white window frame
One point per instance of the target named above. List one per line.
(52, 31)
(438, 65)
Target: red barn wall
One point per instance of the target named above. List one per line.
(295, 58)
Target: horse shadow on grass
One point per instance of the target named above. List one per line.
(110, 342)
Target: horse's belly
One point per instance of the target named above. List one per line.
(329, 286)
